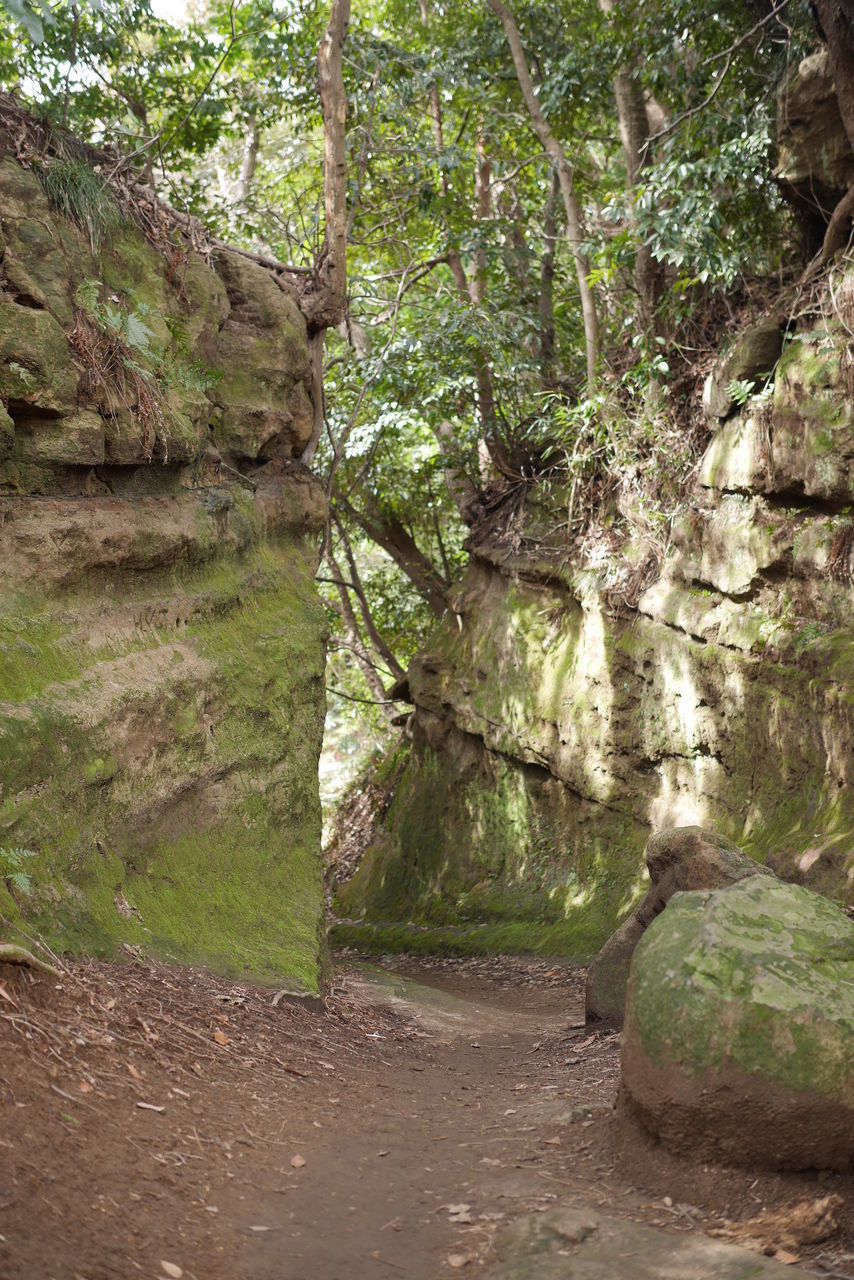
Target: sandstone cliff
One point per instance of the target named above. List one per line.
(161, 640)
(555, 726)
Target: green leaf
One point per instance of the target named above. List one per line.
(22, 12)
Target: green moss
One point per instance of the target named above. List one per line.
(471, 840)
(183, 815)
(758, 977)
(513, 938)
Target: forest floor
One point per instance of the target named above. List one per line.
(163, 1122)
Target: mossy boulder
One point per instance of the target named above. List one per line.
(677, 860)
(751, 359)
(739, 1033)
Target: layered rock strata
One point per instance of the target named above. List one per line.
(555, 727)
(161, 639)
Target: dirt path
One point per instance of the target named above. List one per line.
(392, 1133)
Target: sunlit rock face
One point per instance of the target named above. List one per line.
(553, 729)
(161, 639)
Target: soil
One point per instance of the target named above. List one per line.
(159, 1121)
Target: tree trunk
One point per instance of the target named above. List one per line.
(469, 288)
(557, 155)
(635, 131)
(364, 608)
(545, 303)
(316, 347)
(324, 304)
(248, 161)
(389, 533)
(324, 301)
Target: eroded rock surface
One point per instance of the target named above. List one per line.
(739, 1034)
(556, 724)
(583, 1244)
(677, 860)
(815, 163)
(161, 639)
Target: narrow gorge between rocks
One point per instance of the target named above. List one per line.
(426, 657)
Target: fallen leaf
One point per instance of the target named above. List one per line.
(510, 1111)
(457, 1260)
(383, 1153)
(84, 1087)
(220, 1036)
(133, 1073)
(221, 1017)
(111, 1003)
(172, 1269)
(787, 1259)
(552, 1142)
(297, 1162)
(149, 1106)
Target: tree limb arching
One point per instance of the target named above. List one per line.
(556, 153)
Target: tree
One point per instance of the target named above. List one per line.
(563, 168)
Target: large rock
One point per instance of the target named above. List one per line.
(583, 1244)
(219, 356)
(739, 1033)
(679, 859)
(751, 359)
(161, 636)
(815, 163)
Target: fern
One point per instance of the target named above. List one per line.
(11, 861)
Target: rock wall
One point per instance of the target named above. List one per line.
(161, 640)
(552, 730)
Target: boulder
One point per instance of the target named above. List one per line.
(815, 163)
(751, 358)
(677, 859)
(739, 1033)
(583, 1244)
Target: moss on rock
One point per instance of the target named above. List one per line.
(739, 1030)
